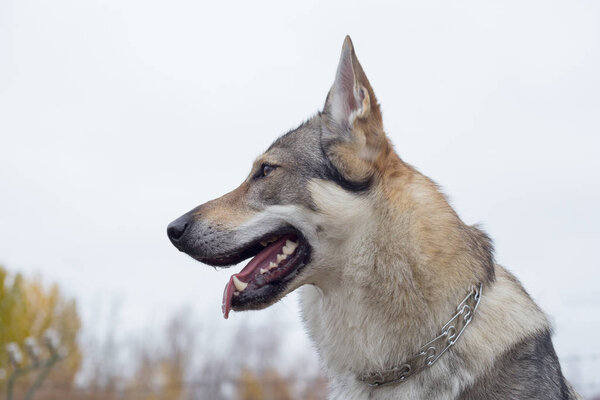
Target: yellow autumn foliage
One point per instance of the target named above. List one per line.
(28, 309)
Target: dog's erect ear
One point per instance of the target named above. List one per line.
(351, 97)
(354, 138)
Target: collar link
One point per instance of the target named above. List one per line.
(431, 351)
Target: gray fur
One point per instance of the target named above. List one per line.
(529, 370)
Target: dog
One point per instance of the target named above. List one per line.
(401, 298)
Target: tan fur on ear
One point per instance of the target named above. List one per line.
(365, 108)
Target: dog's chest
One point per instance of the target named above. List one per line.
(340, 331)
(349, 342)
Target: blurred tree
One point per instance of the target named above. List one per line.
(180, 363)
(249, 386)
(314, 389)
(268, 385)
(277, 387)
(28, 309)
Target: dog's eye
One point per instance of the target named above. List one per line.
(264, 170)
(267, 169)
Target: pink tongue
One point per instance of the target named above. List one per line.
(261, 260)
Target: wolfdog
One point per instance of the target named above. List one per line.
(401, 298)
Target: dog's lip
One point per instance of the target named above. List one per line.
(260, 286)
(244, 251)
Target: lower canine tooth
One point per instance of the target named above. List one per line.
(239, 285)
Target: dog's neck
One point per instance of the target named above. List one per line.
(384, 299)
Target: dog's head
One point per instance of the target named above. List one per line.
(302, 201)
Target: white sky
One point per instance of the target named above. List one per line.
(116, 116)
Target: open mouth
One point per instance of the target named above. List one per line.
(276, 261)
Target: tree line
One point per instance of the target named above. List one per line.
(177, 365)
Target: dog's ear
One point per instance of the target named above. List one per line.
(351, 98)
(354, 138)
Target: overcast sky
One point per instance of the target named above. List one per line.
(116, 116)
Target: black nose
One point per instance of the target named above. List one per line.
(177, 228)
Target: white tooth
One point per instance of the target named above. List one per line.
(272, 265)
(281, 257)
(239, 285)
(289, 247)
(263, 270)
(236, 293)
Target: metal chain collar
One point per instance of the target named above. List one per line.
(430, 352)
